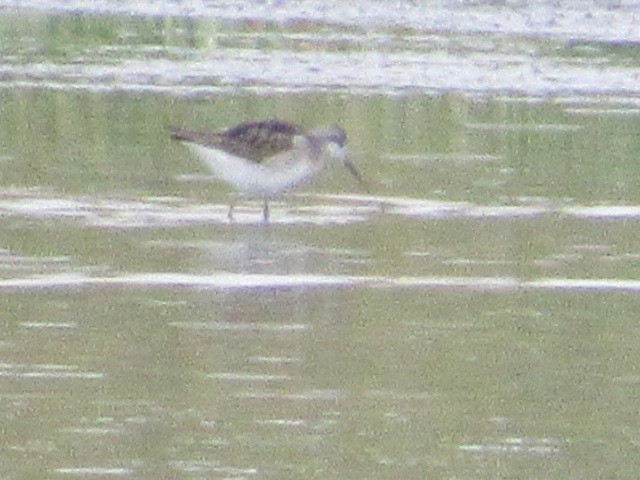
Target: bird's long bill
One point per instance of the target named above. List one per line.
(348, 164)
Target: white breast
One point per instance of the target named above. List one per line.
(279, 174)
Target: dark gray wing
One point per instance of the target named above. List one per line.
(255, 140)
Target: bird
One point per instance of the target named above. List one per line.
(267, 158)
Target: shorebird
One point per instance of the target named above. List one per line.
(267, 158)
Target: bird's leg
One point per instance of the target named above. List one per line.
(265, 210)
(232, 204)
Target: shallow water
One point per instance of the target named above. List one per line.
(473, 315)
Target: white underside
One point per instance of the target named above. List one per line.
(280, 174)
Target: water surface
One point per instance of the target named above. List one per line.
(473, 315)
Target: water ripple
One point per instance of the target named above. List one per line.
(335, 209)
(526, 446)
(95, 471)
(485, 60)
(240, 281)
(46, 371)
